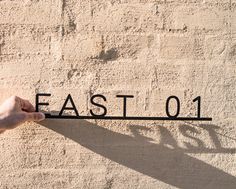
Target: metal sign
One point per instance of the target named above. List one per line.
(103, 115)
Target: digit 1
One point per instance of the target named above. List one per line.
(198, 99)
(178, 106)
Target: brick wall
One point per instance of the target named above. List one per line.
(151, 49)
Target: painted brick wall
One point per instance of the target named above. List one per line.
(147, 48)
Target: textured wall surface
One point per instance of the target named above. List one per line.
(147, 48)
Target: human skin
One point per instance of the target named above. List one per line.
(15, 111)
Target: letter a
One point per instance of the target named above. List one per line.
(69, 98)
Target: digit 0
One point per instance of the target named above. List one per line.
(177, 106)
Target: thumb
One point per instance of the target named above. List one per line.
(35, 116)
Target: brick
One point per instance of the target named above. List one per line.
(205, 18)
(128, 17)
(31, 12)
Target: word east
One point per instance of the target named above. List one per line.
(93, 99)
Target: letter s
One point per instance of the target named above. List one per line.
(98, 105)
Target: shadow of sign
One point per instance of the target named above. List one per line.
(137, 152)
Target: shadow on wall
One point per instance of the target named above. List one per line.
(171, 166)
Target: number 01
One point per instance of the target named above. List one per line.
(198, 100)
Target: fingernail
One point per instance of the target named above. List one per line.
(42, 116)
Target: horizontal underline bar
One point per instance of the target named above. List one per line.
(130, 118)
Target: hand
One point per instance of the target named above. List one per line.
(15, 111)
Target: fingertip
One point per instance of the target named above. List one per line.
(35, 116)
(42, 116)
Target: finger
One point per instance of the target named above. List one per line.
(26, 105)
(14, 119)
(35, 116)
